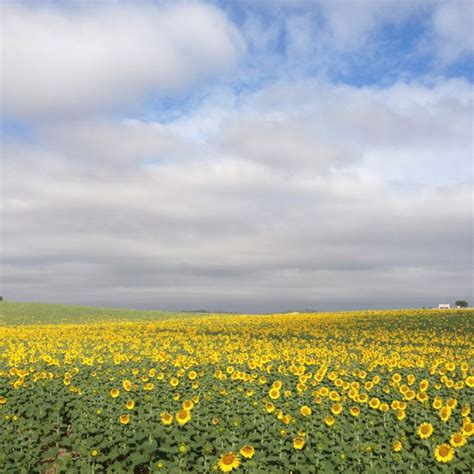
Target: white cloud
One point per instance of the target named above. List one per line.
(58, 61)
(420, 133)
(453, 29)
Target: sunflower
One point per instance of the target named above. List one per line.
(329, 420)
(124, 419)
(286, 419)
(450, 366)
(374, 403)
(354, 411)
(334, 396)
(468, 429)
(444, 453)
(305, 410)
(127, 385)
(401, 415)
(228, 461)
(323, 391)
(425, 430)
(188, 405)
(301, 387)
(437, 403)
(362, 398)
(270, 407)
(277, 384)
(452, 403)
(130, 405)
(174, 382)
(422, 397)
(396, 378)
(397, 446)
(410, 395)
(247, 451)
(166, 418)
(94, 453)
(274, 393)
(298, 442)
(336, 409)
(445, 413)
(183, 416)
(114, 393)
(457, 440)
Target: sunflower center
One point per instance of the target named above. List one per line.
(443, 451)
(228, 459)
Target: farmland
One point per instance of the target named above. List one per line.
(88, 390)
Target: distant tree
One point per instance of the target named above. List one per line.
(1, 298)
(462, 303)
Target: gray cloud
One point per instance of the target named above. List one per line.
(238, 224)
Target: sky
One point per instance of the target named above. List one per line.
(243, 155)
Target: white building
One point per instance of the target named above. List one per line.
(444, 306)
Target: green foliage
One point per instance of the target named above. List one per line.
(16, 313)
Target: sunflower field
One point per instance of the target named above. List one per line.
(367, 391)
